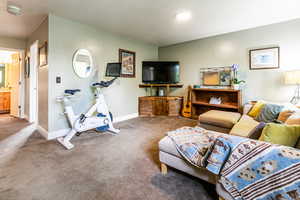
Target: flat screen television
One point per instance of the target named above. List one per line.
(161, 72)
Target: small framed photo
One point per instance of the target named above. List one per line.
(225, 78)
(266, 58)
(127, 59)
(211, 78)
(43, 55)
(27, 67)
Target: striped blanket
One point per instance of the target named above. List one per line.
(248, 169)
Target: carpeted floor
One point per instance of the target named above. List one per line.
(102, 167)
(10, 125)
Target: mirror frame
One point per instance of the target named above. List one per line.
(90, 57)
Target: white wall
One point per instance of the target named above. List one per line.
(40, 34)
(65, 37)
(232, 48)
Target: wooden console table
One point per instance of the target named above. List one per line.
(155, 106)
(231, 100)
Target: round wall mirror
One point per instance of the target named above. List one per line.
(83, 63)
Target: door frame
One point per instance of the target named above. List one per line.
(22, 80)
(33, 86)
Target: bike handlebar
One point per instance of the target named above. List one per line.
(72, 92)
(104, 83)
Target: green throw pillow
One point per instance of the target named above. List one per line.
(281, 134)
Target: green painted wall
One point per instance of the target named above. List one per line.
(233, 48)
(65, 37)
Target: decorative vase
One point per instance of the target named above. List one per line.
(236, 86)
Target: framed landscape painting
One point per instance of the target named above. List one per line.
(127, 58)
(266, 58)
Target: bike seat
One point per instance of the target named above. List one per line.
(72, 92)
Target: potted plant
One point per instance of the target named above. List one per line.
(235, 81)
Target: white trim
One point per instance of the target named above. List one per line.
(42, 131)
(62, 132)
(26, 117)
(33, 83)
(59, 133)
(126, 117)
(22, 85)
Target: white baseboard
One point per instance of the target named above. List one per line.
(126, 117)
(62, 132)
(26, 118)
(42, 131)
(59, 133)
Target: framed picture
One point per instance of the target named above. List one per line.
(266, 58)
(43, 55)
(127, 58)
(225, 78)
(211, 78)
(27, 67)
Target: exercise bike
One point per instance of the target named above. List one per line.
(102, 121)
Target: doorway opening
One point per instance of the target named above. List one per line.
(11, 84)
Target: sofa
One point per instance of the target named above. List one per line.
(219, 121)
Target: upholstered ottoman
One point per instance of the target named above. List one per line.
(220, 121)
(169, 156)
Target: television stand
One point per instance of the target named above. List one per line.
(150, 105)
(167, 86)
(160, 106)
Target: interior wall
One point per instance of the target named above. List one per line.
(65, 37)
(12, 43)
(40, 34)
(233, 48)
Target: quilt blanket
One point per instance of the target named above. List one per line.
(248, 169)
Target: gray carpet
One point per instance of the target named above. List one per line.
(10, 125)
(102, 167)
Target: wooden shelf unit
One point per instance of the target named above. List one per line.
(231, 100)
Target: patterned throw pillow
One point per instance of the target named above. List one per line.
(269, 113)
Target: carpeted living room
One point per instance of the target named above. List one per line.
(101, 166)
(162, 100)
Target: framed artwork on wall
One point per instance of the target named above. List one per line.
(265, 58)
(216, 76)
(211, 78)
(43, 55)
(127, 58)
(27, 67)
(225, 78)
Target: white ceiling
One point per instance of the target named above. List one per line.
(153, 21)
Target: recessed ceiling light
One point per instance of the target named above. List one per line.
(183, 16)
(14, 9)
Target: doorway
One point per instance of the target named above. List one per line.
(11, 84)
